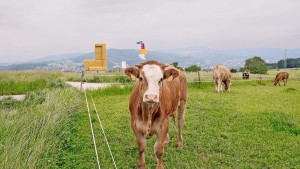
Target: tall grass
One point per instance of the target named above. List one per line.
(19, 82)
(32, 132)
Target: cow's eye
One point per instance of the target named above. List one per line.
(141, 79)
(160, 80)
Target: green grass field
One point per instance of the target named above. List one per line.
(256, 125)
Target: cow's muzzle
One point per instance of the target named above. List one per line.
(151, 98)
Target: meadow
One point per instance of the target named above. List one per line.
(256, 125)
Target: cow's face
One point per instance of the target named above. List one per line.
(150, 79)
(227, 84)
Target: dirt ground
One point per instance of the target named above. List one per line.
(16, 97)
(90, 86)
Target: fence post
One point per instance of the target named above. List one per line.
(198, 79)
(82, 74)
(260, 78)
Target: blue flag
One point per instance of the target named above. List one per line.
(139, 42)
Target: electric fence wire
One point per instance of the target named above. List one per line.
(91, 124)
(103, 132)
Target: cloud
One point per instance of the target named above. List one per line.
(33, 28)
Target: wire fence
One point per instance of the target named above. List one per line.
(92, 127)
(195, 77)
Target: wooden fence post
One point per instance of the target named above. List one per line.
(198, 79)
(260, 78)
(82, 74)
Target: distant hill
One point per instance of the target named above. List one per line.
(203, 56)
(23, 66)
(56, 58)
(219, 56)
(116, 56)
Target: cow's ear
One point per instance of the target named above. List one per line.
(138, 65)
(131, 72)
(170, 74)
(163, 66)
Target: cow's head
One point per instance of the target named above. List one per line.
(150, 76)
(227, 84)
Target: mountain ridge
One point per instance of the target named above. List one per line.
(201, 55)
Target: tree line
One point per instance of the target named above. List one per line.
(256, 64)
(290, 63)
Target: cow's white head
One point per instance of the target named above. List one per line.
(150, 76)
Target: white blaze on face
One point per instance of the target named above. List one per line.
(153, 74)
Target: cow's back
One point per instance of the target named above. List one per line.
(285, 75)
(281, 76)
(221, 72)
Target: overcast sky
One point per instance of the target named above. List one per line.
(37, 28)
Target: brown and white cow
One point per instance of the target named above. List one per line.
(158, 93)
(221, 74)
(281, 76)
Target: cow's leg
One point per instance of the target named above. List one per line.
(285, 80)
(216, 86)
(141, 142)
(221, 87)
(228, 85)
(181, 112)
(159, 144)
(167, 139)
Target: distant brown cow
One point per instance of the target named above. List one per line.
(281, 76)
(221, 74)
(246, 74)
(158, 93)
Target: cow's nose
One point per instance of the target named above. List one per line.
(151, 98)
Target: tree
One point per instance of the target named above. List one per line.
(256, 65)
(242, 69)
(290, 63)
(272, 65)
(175, 64)
(193, 68)
(233, 70)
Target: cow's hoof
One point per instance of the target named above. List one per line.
(141, 166)
(159, 167)
(179, 145)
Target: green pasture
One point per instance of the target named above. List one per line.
(256, 125)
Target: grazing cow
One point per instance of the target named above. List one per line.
(221, 74)
(158, 93)
(281, 76)
(246, 74)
